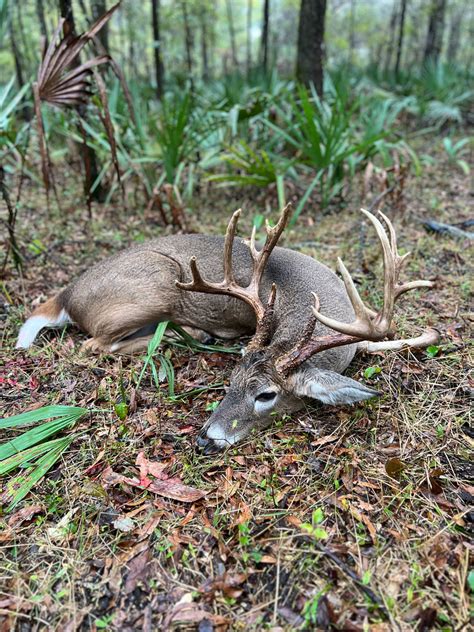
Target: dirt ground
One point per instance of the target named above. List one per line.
(355, 518)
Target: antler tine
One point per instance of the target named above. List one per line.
(362, 323)
(400, 262)
(260, 257)
(228, 244)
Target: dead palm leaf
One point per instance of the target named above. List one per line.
(61, 84)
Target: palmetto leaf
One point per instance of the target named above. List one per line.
(55, 83)
(31, 451)
(60, 86)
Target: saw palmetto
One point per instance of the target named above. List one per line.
(64, 81)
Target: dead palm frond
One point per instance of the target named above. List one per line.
(63, 81)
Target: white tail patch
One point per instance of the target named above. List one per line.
(35, 324)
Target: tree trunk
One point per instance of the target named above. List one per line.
(309, 65)
(204, 43)
(16, 53)
(42, 21)
(230, 22)
(454, 33)
(352, 32)
(188, 40)
(391, 28)
(132, 40)
(265, 31)
(65, 8)
(401, 30)
(88, 154)
(249, 37)
(434, 37)
(98, 8)
(159, 73)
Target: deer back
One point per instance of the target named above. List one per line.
(137, 286)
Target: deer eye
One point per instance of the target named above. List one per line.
(266, 396)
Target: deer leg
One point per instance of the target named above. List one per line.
(131, 346)
(96, 345)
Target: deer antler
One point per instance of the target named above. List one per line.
(230, 287)
(367, 325)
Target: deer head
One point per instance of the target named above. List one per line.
(271, 381)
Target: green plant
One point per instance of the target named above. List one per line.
(166, 370)
(30, 451)
(255, 167)
(313, 528)
(454, 150)
(181, 131)
(325, 140)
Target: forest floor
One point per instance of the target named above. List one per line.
(349, 518)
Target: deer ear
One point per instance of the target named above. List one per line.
(328, 387)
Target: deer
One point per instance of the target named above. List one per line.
(305, 323)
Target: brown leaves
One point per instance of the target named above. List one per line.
(167, 487)
(227, 583)
(394, 467)
(186, 611)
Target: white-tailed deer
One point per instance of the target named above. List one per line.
(307, 323)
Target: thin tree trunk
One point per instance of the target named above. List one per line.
(265, 32)
(89, 156)
(230, 22)
(434, 37)
(401, 30)
(159, 73)
(188, 40)
(249, 37)
(352, 32)
(454, 33)
(392, 27)
(98, 8)
(23, 38)
(42, 21)
(309, 65)
(65, 8)
(204, 51)
(16, 53)
(131, 41)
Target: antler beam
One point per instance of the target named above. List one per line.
(367, 325)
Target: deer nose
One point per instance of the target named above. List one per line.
(206, 445)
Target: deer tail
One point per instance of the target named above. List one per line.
(50, 314)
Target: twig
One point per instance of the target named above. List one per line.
(12, 242)
(355, 578)
(277, 588)
(372, 595)
(381, 196)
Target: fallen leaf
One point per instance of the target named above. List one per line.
(26, 513)
(394, 467)
(150, 525)
(124, 524)
(227, 583)
(138, 570)
(155, 468)
(169, 488)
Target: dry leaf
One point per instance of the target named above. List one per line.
(155, 468)
(394, 467)
(26, 513)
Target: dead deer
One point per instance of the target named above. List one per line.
(306, 323)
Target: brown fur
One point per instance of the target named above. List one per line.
(50, 309)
